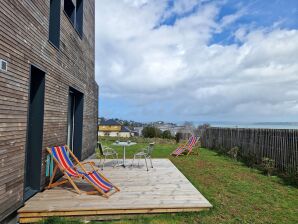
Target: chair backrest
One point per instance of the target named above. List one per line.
(192, 141)
(60, 155)
(150, 148)
(99, 146)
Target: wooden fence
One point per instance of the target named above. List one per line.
(281, 145)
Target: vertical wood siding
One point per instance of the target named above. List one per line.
(23, 41)
(281, 145)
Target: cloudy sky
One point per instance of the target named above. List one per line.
(197, 60)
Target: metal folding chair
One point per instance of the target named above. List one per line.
(105, 152)
(146, 153)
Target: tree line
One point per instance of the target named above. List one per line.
(151, 131)
(154, 132)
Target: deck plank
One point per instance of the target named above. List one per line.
(163, 189)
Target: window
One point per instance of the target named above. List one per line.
(75, 14)
(69, 9)
(54, 22)
(79, 17)
(75, 121)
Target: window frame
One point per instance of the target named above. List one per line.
(78, 28)
(79, 25)
(57, 25)
(72, 20)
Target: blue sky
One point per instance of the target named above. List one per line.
(193, 60)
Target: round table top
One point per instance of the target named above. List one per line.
(124, 143)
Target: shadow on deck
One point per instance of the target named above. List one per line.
(161, 190)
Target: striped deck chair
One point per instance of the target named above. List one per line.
(188, 147)
(62, 156)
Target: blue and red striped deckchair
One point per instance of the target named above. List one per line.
(99, 181)
(65, 164)
(192, 141)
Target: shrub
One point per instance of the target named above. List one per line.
(233, 152)
(268, 165)
(178, 137)
(167, 134)
(222, 150)
(250, 159)
(151, 132)
(292, 177)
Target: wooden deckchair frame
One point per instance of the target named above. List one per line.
(69, 178)
(185, 146)
(194, 146)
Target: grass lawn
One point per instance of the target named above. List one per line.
(239, 194)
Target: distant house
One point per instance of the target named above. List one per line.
(138, 131)
(125, 132)
(48, 91)
(113, 128)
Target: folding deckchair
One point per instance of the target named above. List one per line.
(192, 141)
(78, 171)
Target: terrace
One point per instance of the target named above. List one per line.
(163, 189)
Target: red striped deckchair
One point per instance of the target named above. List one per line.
(98, 181)
(192, 141)
(71, 171)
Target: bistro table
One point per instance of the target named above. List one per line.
(123, 144)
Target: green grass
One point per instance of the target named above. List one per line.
(160, 150)
(59, 220)
(239, 194)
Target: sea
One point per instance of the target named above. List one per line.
(261, 125)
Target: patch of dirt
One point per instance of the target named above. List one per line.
(244, 176)
(204, 164)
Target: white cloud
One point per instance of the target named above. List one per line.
(174, 70)
(180, 7)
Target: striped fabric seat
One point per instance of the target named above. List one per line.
(60, 154)
(98, 181)
(64, 158)
(179, 150)
(190, 144)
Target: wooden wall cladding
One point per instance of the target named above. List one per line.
(24, 41)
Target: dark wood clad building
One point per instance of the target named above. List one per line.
(48, 93)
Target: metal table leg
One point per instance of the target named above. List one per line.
(123, 162)
(124, 165)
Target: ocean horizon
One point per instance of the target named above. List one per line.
(259, 125)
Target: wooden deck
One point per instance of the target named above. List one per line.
(163, 189)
